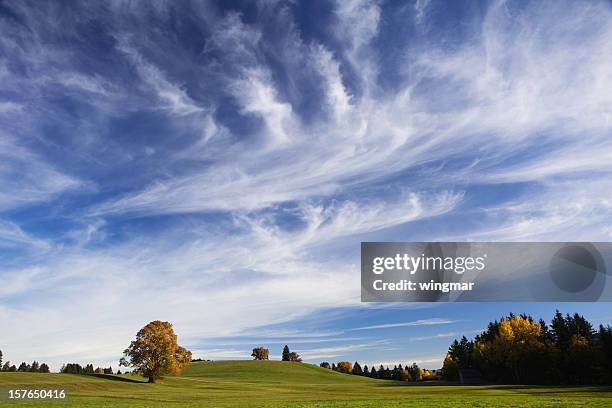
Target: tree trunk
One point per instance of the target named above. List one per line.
(151, 380)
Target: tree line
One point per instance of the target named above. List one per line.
(410, 372)
(399, 373)
(75, 368)
(35, 367)
(517, 349)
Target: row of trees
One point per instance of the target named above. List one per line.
(517, 349)
(35, 367)
(398, 373)
(75, 368)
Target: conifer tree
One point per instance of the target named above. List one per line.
(286, 353)
(373, 373)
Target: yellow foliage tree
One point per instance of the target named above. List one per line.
(155, 352)
(345, 367)
(260, 353)
(518, 340)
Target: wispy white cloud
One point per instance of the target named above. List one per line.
(26, 177)
(422, 322)
(12, 234)
(339, 351)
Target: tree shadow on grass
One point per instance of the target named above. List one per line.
(112, 377)
(553, 389)
(392, 383)
(527, 389)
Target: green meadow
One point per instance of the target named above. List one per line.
(285, 384)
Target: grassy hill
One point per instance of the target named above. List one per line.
(283, 384)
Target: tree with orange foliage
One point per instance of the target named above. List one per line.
(260, 353)
(155, 352)
(345, 367)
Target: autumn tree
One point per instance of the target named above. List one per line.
(295, 357)
(344, 367)
(260, 353)
(155, 352)
(518, 352)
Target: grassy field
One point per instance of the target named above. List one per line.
(282, 384)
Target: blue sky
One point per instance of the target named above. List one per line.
(218, 164)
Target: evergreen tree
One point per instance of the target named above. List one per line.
(44, 368)
(604, 336)
(6, 366)
(415, 372)
(560, 331)
(34, 367)
(366, 371)
(373, 373)
(286, 353)
(23, 367)
(396, 374)
(357, 369)
(462, 352)
(0, 358)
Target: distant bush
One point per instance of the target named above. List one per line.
(260, 353)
